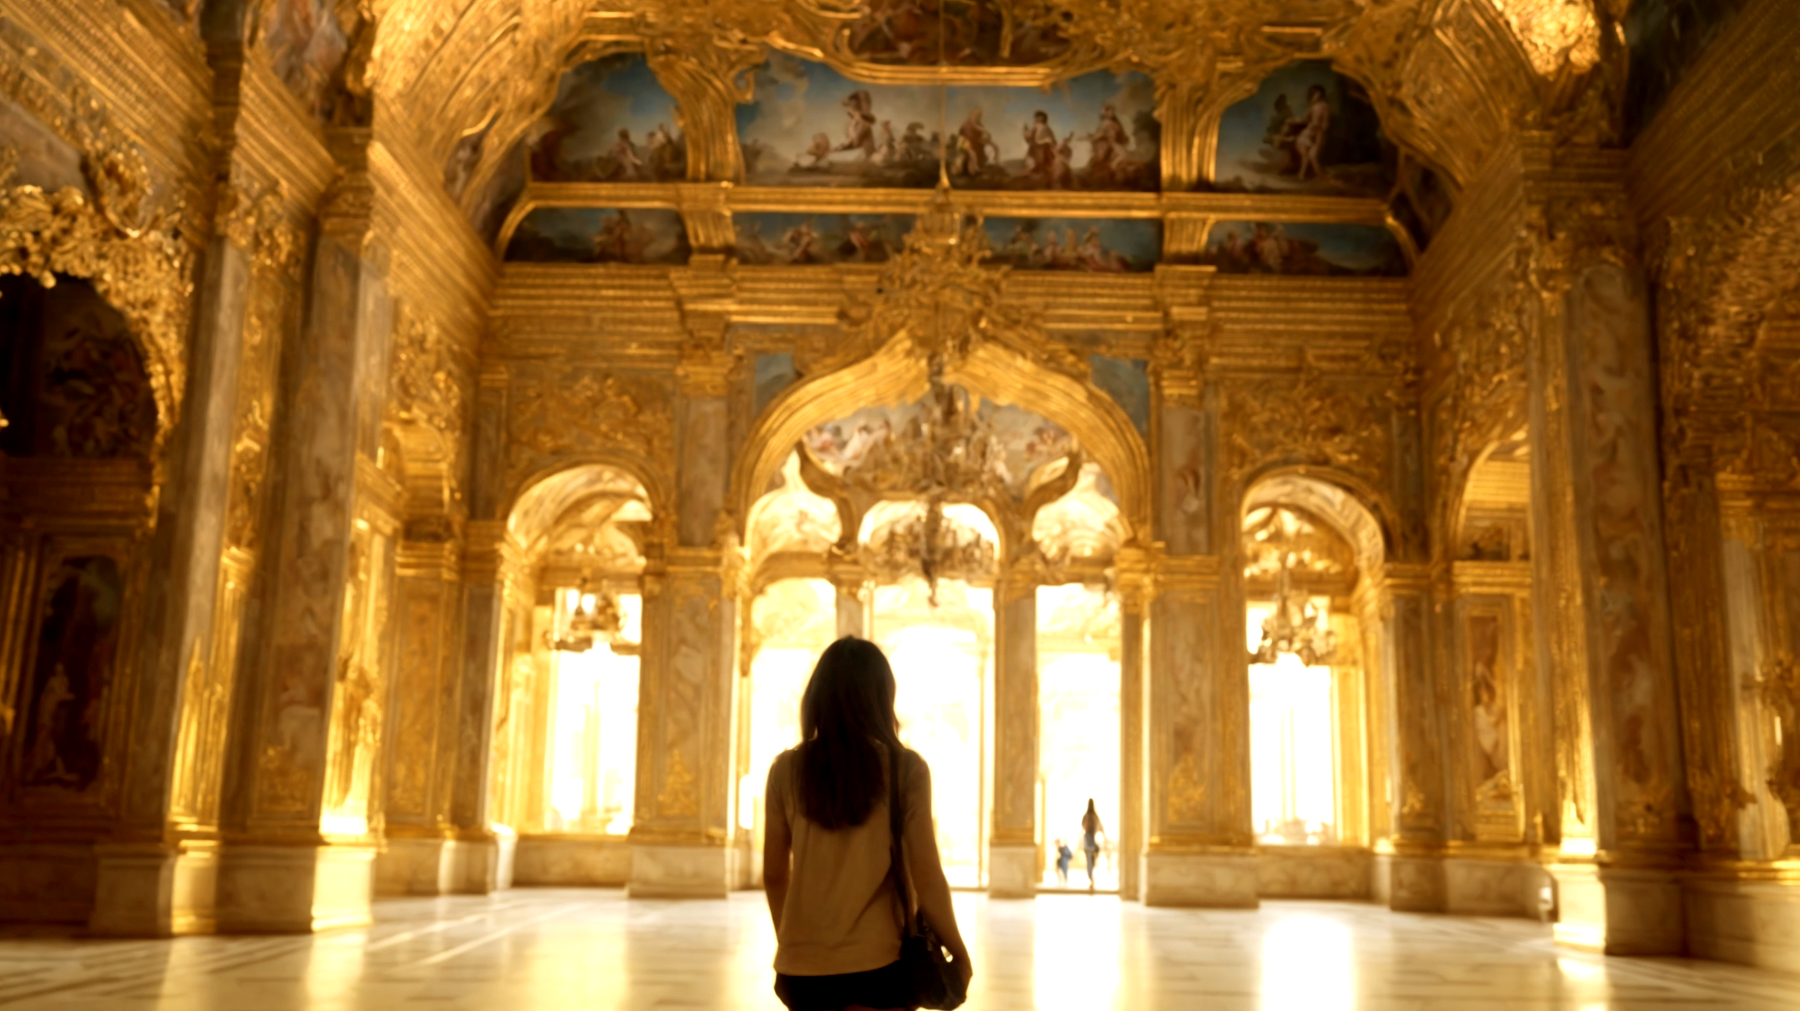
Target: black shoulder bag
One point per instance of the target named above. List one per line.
(929, 972)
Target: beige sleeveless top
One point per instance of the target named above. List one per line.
(841, 915)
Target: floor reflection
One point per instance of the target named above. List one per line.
(596, 951)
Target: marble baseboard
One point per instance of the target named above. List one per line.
(154, 890)
(47, 883)
(1617, 911)
(566, 860)
(294, 889)
(1748, 922)
(1210, 880)
(1308, 872)
(1494, 887)
(1412, 884)
(416, 867)
(678, 872)
(1012, 871)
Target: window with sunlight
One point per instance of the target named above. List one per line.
(1293, 797)
(593, 732)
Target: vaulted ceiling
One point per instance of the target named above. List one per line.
(1449, 78)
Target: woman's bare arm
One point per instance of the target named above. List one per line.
(777, 844)
(928, 876)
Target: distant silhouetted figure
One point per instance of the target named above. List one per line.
(1063, 855)
(1091, 831)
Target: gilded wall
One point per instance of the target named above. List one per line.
(351, 340)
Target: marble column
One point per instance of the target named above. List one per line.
(481, 857)
(306, 707)
(1133, 591)
(1410, 861)
(1603, 600)
(852, 607)
(421, 856)
(158, 874)
(1013, 870)
(681, 834)
(1200, 848)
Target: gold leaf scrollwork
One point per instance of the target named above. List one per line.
(941, 294)
(133, 257)
(1307, 419)
(560, 416)
(1778, 687)
(678, 798)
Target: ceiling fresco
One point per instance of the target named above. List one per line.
(890, 448)
(488, 85)
(836, 111)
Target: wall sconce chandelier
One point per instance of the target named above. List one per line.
(1294, 627)
(594, 618)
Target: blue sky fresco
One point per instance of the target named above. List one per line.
(1073, 106)
(1322, 248)
(1138, 243)
(596, 100)
(797, 101)
(1245, 161)
(596, 235)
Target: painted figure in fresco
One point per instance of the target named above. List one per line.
(1040, 146)
(94, 400)
(899, 27)
(628, 167)
(913, 146)
(1490, 723)
(621, 240)
(666, 157)
(1309, 133)
(45, 764)
(887, 147)
(859, 123)
(797, 244)
(1109, 149)
(76, 642)
(973, 144)
(1279, 115)
(819, 151)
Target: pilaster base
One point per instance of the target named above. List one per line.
(1496, 888)
(678, 872)
(274, 889)
(1313, 872)
(416, 867)
(153, 890)
(573, 860)
(1210, 880)
(47, 883)
(1748, 922)
(1012, 871)
(1410, 883)
(1618, 911)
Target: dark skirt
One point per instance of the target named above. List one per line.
(878, 988)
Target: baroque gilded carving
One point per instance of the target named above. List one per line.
(133, 255)
(1779, 689)
(1307, 419)
(564, 415)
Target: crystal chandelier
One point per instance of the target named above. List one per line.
(594, 617)
(1294, 626)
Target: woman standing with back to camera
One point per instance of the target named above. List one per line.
(827, 854)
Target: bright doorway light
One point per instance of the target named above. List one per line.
(1293, 797)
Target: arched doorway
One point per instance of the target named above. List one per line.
(1311, 553)
(81, 431)
(566, 716)
(936, 521)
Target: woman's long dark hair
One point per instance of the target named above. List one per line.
(848, 707)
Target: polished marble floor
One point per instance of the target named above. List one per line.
(574, 950)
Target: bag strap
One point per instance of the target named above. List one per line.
(896, 848)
